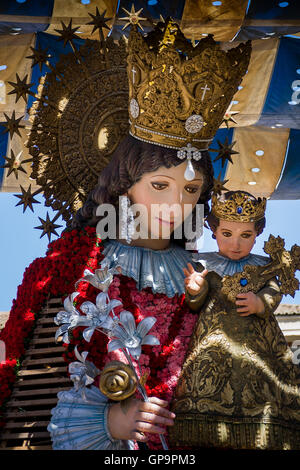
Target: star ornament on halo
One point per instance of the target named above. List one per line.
(219, 185)
(228, 118)
(224, 151)
(99, 21)
(40, 56)
(14, 164)
(48, 226)
(133, 17)
(67, 33)
(26, 198)
(21, 88)
(12, 124)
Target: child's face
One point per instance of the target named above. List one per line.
(235, 239)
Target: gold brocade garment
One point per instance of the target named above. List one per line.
(239, 387)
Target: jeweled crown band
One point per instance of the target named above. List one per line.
(166, 140)
(239, 207)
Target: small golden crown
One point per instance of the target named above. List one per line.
(239, 207)
(179, 93)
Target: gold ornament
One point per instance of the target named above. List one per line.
(133, 17)
(67, 33)
(39, 56)
(99, 21)
(12, 124)
(20, 88)
(224, 151)
(48, 226)
(178, 93)
(283, 265)
(219, 185)
(240, 207)
(228, 116)
(14, 164)
(78, 119)
(26, 198)
(117, 381)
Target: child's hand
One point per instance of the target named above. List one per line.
(250, 304)
(194, 280)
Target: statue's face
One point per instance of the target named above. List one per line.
(235, 239)
(167, 198)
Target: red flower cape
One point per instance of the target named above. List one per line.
(55, 276)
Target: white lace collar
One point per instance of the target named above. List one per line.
(225, 266)
(162, 270)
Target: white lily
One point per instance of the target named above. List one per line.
(68, 318)
(98, 316)
(103, 277)
(83, 372)
(131, 337)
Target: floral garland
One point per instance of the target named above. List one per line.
(55, 275)
(173, 328)
(51, 276)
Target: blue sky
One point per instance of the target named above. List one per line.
(20, 243)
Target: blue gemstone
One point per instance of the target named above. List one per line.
(239, 210)
(243, 282)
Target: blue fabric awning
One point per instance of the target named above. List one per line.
(24, 15)
(3, 148)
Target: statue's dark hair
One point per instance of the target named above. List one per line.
(128, 163)
(213, 222)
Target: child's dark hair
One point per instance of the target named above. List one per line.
(213, 222)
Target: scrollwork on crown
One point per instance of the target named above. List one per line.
(175, 84)
(239, 207)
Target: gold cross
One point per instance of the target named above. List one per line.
(283, 265)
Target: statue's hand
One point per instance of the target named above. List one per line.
(132, 419)
(249, 304)
(194, 281)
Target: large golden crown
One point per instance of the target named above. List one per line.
(239, 207)
(178, 92)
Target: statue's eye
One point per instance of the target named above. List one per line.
(192, 189)
(159, 186)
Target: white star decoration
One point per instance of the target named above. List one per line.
(133, 17)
